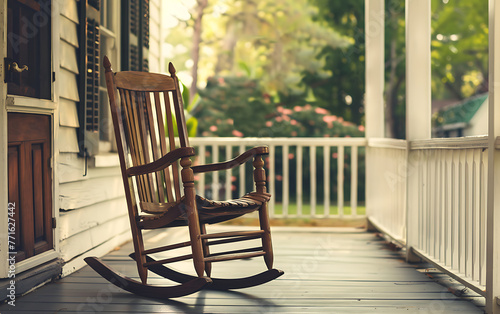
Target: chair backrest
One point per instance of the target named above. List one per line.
(145, 106)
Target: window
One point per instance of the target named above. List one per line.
(100, 35)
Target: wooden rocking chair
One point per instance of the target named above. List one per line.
(141, 106)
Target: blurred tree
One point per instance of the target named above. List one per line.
(459, 48)
(342, 90)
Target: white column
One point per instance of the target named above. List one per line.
(418, 99)
(418, 69)
(374, 75)
(493, 210)
(374, 96)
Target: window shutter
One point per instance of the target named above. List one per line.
(89, 59)
(135, 35)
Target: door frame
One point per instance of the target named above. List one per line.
(20, 104)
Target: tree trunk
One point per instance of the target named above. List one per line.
(195, 53)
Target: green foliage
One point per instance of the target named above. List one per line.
(459, 48)
(190, 106)
(233, 106)
(237, 106)
(341, 90)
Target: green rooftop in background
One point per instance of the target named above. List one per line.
(462, 112)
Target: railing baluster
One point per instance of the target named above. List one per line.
(201, 176)
(340, 181)
(215, 175)
(272, 180)
(241, 173)
(300, 158)
(354, 180)
(312, 156)
(286, 179)
(326, 180)
(228, 194)
(482, 218)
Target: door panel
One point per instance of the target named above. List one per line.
(30, 182)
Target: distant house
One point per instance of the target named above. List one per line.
(467, 118)
(61, 186)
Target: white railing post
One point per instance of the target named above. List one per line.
(418, 100)
(493, 202)
(374, 97)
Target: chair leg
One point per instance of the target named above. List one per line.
(192, 216)
(266, 237)
(260, 185)
(206, 250)
(140, 258)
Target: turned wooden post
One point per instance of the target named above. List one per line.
(192, 215)
(260, 185)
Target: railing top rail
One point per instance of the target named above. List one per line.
(387, 143)
(451, 143)
(301, 141)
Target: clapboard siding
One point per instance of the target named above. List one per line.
(68, 86)
(69, 9)
(77, 221)
(68, 31)
(155, 64)
(93, 237)
(68, 114)
(68, 142)
(70, 168)
(68, 57)
(80, 194)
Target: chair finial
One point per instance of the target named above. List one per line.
(171, 69)
(107, 64)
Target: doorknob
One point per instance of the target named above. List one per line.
(11, 68)
(14, 67)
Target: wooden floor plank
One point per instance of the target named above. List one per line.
(336, 271)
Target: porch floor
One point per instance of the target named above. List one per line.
(326, 270)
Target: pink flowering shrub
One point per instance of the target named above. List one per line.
(309, 121)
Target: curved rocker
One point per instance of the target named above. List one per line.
(136, 287)
(217, 283)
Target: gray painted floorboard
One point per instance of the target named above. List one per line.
(326, 271)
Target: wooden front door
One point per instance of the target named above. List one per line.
(30, 182)
(29, 78)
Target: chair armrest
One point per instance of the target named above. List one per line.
(161, 163)
(241, 159)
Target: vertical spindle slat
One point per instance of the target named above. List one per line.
(228, 183)
(286, 179)
(215, 175)
(354, 180)
(300, 158)
(312, 157)
(326, 180)
(202, 151)
(272, 182)
(241, 173)
(340, 180)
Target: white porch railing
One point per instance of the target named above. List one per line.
(451, 176)
(443, 219)
(386, 163)
(300, 173)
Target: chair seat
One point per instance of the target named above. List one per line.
(210, 211)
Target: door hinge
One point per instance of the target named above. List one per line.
(53, 76)
(54, 222)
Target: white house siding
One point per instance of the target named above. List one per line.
(478, 125)
(93, 216)
(155, 37)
